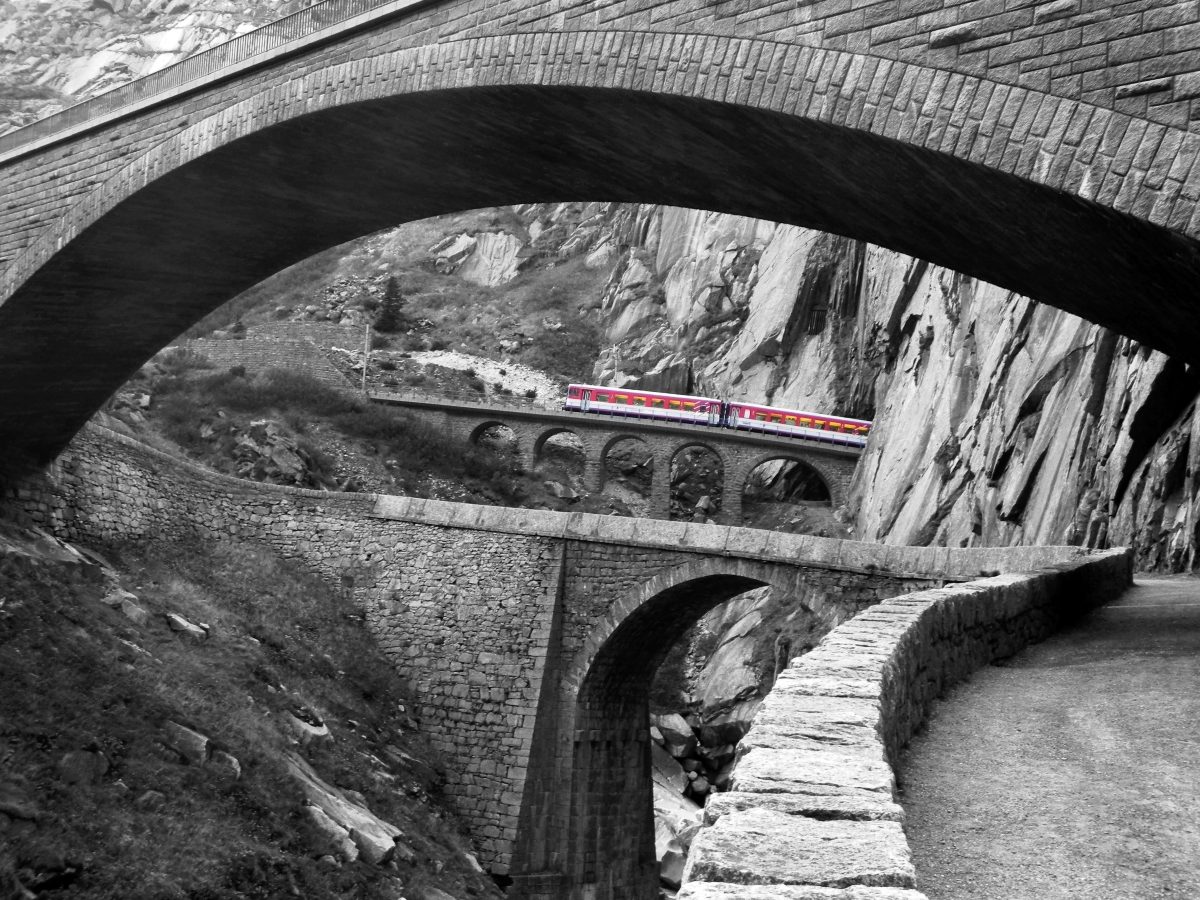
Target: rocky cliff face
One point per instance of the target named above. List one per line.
(997, 420)
(55, 52)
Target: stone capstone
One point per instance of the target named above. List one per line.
(761, 846)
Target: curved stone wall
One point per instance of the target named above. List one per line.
(812, 802)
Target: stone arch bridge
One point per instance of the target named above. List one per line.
(1049, 147)
(740, 453)
(529, 636)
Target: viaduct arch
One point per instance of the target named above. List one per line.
(739, 452)
(158, 216)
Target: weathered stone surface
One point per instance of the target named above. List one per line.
(859, 805)
(804, 770)
(374, 838)
(703, 890)
(180, 625)
(191, 745)
(335, 838)
(226, 764)
(134, 611)
(82, 767)
(757, 846)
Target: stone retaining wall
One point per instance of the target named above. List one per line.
(812, 803)
(263, 353)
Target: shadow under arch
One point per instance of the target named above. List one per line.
(479, 430)
(543, 437)
(612, 443)
(243, 193)
(821, 483)
(594, 823)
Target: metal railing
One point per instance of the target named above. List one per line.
(269, 37)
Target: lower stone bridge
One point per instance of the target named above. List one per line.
(739, 452)
(529, 637)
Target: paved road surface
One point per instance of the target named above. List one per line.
(1071, 770)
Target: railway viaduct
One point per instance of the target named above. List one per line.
(740, 453)
(1049, 147)
(529, 637)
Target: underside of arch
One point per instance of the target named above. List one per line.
(201, 233)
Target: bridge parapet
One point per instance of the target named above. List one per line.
(812, 798)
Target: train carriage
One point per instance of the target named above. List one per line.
(797, 423)
(643, 404)
(709, 411)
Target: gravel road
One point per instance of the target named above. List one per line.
(1071, 770)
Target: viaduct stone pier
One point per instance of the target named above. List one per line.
(1051, 147)
(740, 453)
(530, 637)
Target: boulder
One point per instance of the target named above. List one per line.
(180, 625)
(226, 765)
(678, 737)
(134, 612)
(666, 770)
(16, 803)
(82, 767)
(191, 745)
(332, 837)
(374, 838)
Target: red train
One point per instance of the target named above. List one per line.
(716, 413)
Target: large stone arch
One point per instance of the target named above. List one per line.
(1077, 206)
(592, 820)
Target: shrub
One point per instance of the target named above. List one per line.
(379, 342)
(387, 365)
(237, 371)
(391, 316)
(476, 384)
(531, 394)
(438, 344)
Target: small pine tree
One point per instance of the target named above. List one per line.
(391, 316)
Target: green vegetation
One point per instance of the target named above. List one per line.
(82, 678)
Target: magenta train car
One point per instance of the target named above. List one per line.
(643, 404)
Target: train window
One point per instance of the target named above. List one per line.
(573, 392)
(603, 398)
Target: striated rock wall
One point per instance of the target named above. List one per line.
(55, 52)
(998, 421)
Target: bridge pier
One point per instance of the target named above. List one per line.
(731, 498)
(660, 487)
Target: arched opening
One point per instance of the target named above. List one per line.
(560, 460)
(632, 783)
(697, 480)
(787, 494)
(629, 473)
(497, 438)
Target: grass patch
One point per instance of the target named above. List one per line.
(80, 676)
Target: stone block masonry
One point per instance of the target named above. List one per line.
(519, 629)
(1060, 142)
(812, 802)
